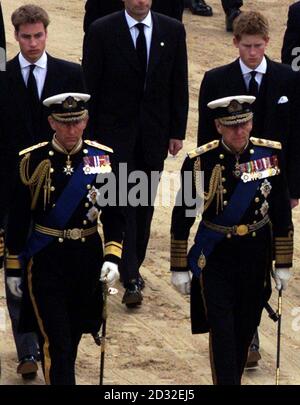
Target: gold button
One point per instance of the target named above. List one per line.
(225, 202)
(256, 199)
(88, 186)
(253, 234)
(60, 240)
(86, 205)
(228, 236)
(254, 222)
(53, 205)
(52, 188)
(223, 179)
(223, 167)
(51, 153)
(251, 151)
(82, 240)
(84, 222)
(221, 156)
(85, 151)
(51, 170)
(224, 191)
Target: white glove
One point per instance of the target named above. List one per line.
(181, 280)
(14, 284)
(109, 273)
(281, 277)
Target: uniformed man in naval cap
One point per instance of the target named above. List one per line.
(246, 222)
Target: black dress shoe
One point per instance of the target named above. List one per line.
(132, 296)
(28, 367)
(199, 7)
(230, 17)
(253, 357)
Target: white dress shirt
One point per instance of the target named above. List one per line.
(260, 70)
(39, 72)
(148, 28)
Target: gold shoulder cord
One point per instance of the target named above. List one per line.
(215, 185)
(35, 182)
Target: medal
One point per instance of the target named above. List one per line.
(68, 169)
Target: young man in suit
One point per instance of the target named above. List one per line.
(276, 109)
(291, 38)
(135, 65)
(32, 75)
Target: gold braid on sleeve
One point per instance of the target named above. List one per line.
(40, 176)
(215, 185)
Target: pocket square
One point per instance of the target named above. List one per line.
(282, 100)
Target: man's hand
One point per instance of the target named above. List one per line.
(14, 284)
(109, 273)
(174, 146)
(181, 280)
(294, 202)
(281, 277)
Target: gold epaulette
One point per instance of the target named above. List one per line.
(266, 142)
(98, 145)
(31, 148)
(202, 149)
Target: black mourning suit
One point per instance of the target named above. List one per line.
(137, 119)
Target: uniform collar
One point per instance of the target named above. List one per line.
(59, 148)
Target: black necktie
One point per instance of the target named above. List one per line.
(141, 48)
(32, 87)
(35, 105)
(253, 85)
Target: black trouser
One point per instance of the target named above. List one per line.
(67, 300)
(229, 5)
(26, 343)
(234, 290)
(138, 220)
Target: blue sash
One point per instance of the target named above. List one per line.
(64, 208)
(206, 239)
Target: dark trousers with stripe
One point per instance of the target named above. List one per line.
(66, 294)
(234, 287)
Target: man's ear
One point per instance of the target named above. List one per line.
(235, 42)
(218, 126)
(52, 123)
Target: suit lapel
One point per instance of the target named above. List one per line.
(236, 79)
(125, 43)
(21, 96)
(50, 81)
(273, 92)
(157, 45)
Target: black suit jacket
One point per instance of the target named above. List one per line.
(272, 120)
(62, 76)
(122, 113)
(292, 34)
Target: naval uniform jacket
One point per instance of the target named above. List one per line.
(274, 240)
(68, 265)
(276, 110)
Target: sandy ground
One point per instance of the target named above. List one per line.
(153, 344)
